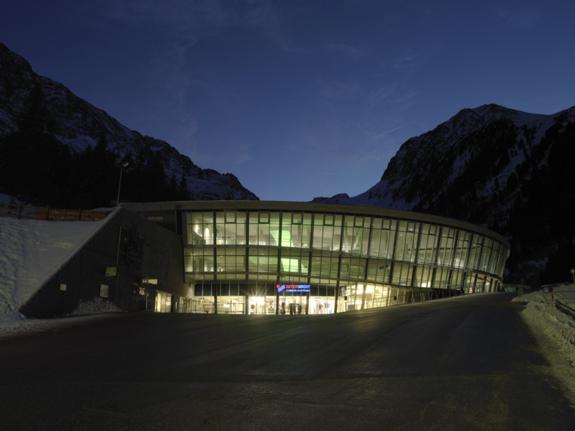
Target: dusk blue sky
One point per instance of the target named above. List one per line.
(298, 98)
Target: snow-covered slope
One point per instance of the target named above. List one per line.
(553, 329)
(509, 170)
(31, 251)
(30, 101)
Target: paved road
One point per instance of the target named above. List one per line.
(459, 364)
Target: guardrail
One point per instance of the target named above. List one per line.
(556, 297)
(564, 308)
(47, 213)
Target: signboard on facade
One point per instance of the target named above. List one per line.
(293, 288)
(111, 271)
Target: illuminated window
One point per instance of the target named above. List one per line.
(153, 281)
(296, 218)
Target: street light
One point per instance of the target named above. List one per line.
(123, 165)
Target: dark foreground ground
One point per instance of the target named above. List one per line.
(459, 364)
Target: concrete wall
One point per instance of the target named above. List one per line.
(137, 248)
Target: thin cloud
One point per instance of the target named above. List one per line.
(341, 90)
(522, 19)
(349, 51)
(196, 18)
(403, 62)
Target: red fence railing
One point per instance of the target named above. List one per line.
(47, 213)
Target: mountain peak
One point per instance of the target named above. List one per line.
(10, 59)
(491, 107)
(494, 166)
(30, 103)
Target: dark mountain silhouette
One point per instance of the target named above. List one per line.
(57, 149)
(508, 170)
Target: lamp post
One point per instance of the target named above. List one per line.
(123, 166)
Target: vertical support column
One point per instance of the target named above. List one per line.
(310, 245)
(491, 251)
(279, 265)
(215, 255)
(395, 237)
(478, 263)
(339, 263)
(416, 260)
(118, 251)
(309, 254)
(436, 260)
(366, 259)
(452, 260)
(279, 258)
(247, 250)
(244, 289)
(368, 248)
(467, 260)
(183, 238)
(277, 301)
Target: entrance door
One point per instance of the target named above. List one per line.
(256, 305)
(292, 305)
(261, 305)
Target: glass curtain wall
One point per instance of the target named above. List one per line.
(351, 262)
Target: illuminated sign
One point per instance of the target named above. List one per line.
(293, 288)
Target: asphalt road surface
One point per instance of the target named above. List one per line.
(460, 364)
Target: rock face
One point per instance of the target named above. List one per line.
(30, 103)
(511, 171)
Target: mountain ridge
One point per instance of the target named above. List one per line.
(496, 167)
(29, 101)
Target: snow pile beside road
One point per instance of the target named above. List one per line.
(31, 251)
(565, 293)
(541, 315)
(22, 326)
(95, 306)
(7, 199)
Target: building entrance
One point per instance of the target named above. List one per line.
(293, 305)
(261, 305)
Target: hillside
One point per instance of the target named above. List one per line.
(58, 149)
(508, 170)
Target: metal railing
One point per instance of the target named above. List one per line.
(557, 301)
(564, 308)
(19, 210)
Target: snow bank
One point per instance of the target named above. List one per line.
(542, 315)
(7, 199)
(95, 306)
(554, 331)
(31, 251)
(565, 293)
(22, 326)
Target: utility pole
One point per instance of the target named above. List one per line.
(123, 165)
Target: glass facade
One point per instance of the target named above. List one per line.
(234, 259)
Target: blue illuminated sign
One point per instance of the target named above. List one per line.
(293, 288)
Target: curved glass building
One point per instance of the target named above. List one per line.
(257, 257)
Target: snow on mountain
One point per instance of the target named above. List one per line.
(28, 100)
(509, 170)
(448, 146)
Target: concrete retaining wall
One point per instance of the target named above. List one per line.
(125, 251)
